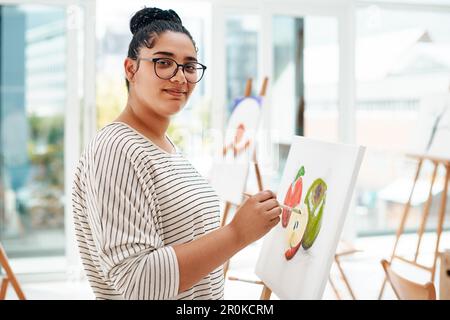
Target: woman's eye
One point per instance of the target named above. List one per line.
(164, 63)
(190, 68)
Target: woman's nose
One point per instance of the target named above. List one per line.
(179, 75)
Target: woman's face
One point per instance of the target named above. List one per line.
(164, 97)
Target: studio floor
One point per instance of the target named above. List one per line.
(363, 270)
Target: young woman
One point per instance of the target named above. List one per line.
(147, 223)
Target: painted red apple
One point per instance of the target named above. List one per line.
(295, 231)
(293, 196)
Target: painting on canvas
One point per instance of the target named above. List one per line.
(317, 183)
(242, 127)
(432, 133)
(228, 174)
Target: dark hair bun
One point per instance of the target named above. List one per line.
(146, 16)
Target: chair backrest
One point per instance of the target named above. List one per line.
(407, 290)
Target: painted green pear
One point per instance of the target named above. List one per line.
(315, 204)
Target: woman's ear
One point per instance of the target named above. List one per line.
(130, 68)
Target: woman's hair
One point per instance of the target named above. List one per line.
(147, 24)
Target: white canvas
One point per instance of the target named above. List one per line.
(432, 134)
(228, 180)
(329, 171)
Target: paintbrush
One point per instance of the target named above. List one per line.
(295, 210)
(245, 280)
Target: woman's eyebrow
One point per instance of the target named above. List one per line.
(165, 53)
(170, 54)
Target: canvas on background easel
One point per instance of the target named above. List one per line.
(9, 277)
(421, 159)
(232, 147)
(228, 204)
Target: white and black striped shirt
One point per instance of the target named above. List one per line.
(132, 202)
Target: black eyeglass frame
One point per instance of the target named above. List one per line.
(155, 60)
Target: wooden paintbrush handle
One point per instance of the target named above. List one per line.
(281, 205)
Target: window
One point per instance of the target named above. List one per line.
(401, 56)
(33, 93)
(305, 60)
(242, 32)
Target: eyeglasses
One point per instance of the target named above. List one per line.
(166, 68)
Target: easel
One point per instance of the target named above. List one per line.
(248, 90)
(344, 249)
(10, 277)
(267, 292)
(436, 161)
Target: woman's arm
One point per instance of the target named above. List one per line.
(196, 259)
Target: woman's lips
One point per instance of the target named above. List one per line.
(175, 93)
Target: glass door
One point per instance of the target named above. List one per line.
(32, 103)
(47, 111)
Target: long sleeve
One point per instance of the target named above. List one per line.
(124, 219)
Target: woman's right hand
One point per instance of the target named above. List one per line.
(256, 217)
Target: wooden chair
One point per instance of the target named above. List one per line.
(8, 278)
(405, 289)
(437, 162)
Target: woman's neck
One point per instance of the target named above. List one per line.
(148, 123)
(144, 120)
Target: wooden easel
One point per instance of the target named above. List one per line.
(337, 260)
(436, 161)
(248, 90)
(267, 292)
(9, 278)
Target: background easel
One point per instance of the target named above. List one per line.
(262, 93)
(436, 162)
(345, 250)
(9, 277)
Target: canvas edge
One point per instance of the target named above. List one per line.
(358, 162)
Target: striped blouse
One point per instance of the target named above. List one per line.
(132, 202)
